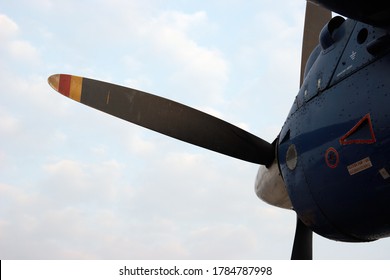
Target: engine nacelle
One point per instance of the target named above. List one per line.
(270, 187)
(333, 150)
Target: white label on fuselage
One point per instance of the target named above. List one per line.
(359, 166)
(384, 173)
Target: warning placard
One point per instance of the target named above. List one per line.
(359, 166)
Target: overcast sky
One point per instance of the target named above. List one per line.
(77, 183)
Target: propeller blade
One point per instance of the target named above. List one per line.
(303, 242)
(165, 116)
(315, 19)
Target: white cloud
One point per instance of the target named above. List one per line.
(8, 28)
(13, 48)
(197, 65)
(9, 124)
(182, 21)
(23, 51)
(221, 242)
(138, 144)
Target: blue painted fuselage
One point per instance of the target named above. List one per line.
(334, 148)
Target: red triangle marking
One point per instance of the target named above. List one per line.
(366, 120)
